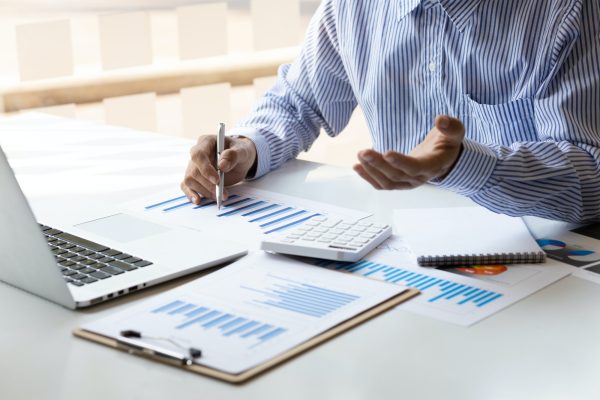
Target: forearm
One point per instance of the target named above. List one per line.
(557, 180)
(311, 94)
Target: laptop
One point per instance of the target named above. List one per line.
(84, 254)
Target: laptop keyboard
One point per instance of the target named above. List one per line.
(83, 262)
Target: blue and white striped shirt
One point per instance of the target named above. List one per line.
(522, 75)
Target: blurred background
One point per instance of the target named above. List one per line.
(148, 64)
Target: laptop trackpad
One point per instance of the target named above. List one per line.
(122, 228)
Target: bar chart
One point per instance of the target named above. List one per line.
(228, 325)
(302, 298)
(434, 289)
(269, 216)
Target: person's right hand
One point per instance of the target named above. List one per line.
(201, 175)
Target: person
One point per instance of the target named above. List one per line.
(496, 100)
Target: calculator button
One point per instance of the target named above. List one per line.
(346, 238)
(313, 223)
(380, 226)
(337, 231)
(312, 235)
(365, 224)
(329, 236)
(293, 237)
(305, 228)
(324, 240)
(331, 223)
(373, 230)
(352, 233)
(367, 235)
(340, 243)
(320, 219)
(308, 239)
(320, 230)
(343, 226)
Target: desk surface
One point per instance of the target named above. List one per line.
(542, 347)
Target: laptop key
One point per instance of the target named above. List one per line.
(51, 239)
(88, 279)
(77, 249)
(76, 283)
(122, 256)
(78, 276)
(60, 243)
(52, 231)
(59, 251)
(111, 252)
(122, 265)
(131, 260)
(105, 259)
(86, 252)
(69, 272)
(142, 263)
(78, 258)
(78, 266)
(86, 270)
(100, 275)
(111, 270)
(97, 265)
(88, 244)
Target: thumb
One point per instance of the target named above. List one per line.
(234, 154)
(452, 128)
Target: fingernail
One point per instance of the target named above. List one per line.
(224, 165)
(390, 159)
(443, 122)
(194, 199)
(366, 157)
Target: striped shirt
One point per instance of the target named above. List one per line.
(522, 75)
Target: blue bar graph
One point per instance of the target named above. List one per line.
(268, 216)
(302, 298)
(228, 325)
(435, 290)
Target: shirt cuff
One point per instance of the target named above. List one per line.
(471, 171)
(263, 151)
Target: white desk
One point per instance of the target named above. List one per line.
(545, 347)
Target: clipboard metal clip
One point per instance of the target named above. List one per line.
(148, 350)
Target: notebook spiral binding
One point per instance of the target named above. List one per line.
(482, 259)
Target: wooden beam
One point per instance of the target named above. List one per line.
(238, 69)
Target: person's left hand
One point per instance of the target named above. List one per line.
(433, 158)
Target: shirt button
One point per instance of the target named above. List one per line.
(431, 67)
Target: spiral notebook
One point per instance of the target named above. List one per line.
(465, 236)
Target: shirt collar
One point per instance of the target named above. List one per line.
(459, 11)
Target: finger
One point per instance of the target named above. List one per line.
(363, 174)
(385, 173)
(229, 160)
(192, 184)
(453, 128)
(407, 164)
(203, 163)
(387, 169)
(208, 185)
(192, 196)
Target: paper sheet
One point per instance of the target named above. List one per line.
(462, 296)
(246, 216)
(580, 252)
(250, 311)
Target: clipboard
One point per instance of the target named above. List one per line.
(271, 363)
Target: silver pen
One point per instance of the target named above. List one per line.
(220, 149)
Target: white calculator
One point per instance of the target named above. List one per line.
(329, 238)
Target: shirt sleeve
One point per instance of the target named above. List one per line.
(311, 93)
(558, 175)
